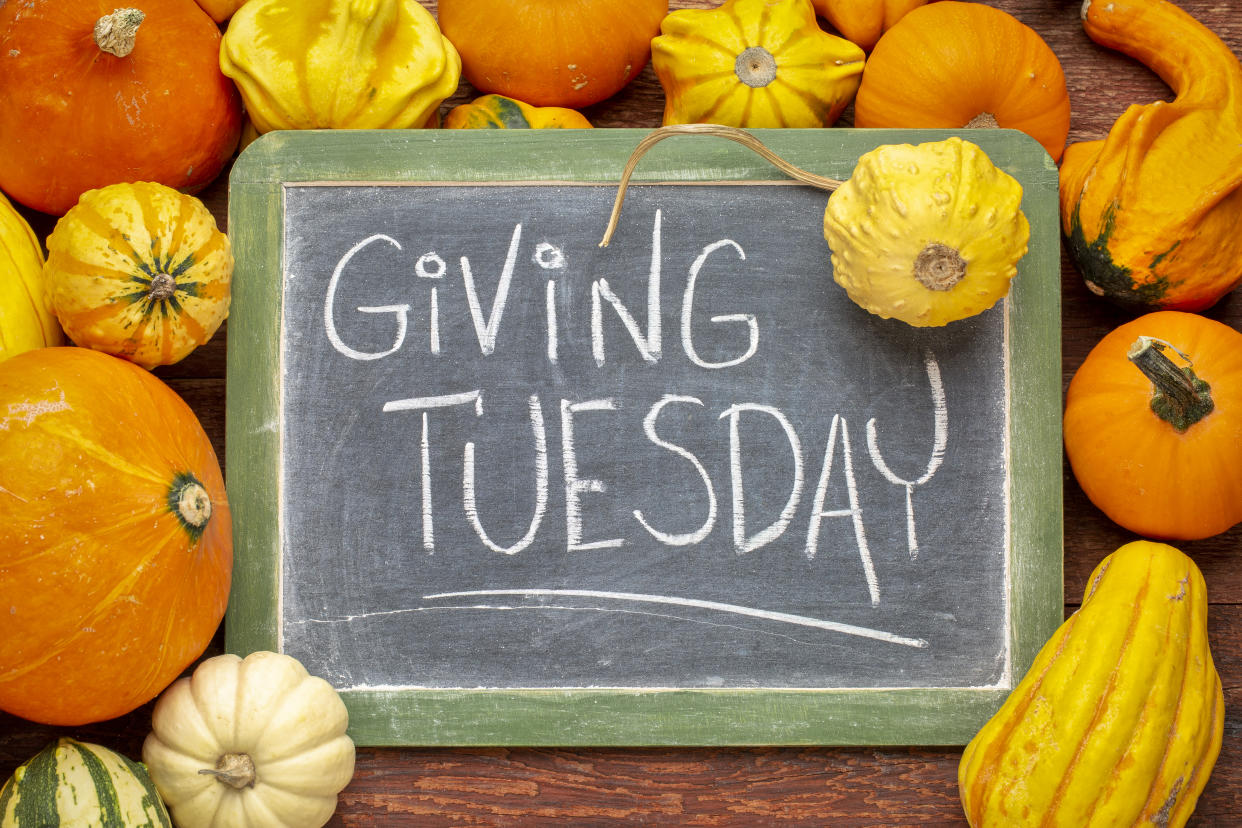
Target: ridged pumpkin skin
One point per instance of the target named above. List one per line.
(499, 112)
(552, 52)
(78, 783)
(928, 233)
(26, 318)
(116, 533)
(953, 64)
(1151, 213)
(863, 21)
(139, 271)
(73, 117)
(262, 719)
(1141, 470)
(754, 63)
(339, 64)
(1120, 718)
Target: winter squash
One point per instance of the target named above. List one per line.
(499, 112)
(1120, 718)
(92, 95)
(78, 783)
(26, 318)
(928, 233)
(116, 531)
(1151, 213)
(1153, 425)
(250, 743)
(550, 52)
(954, 64)
(338, 64)
(863, 21)
(220, 10)
(754, 63)
(139, 271)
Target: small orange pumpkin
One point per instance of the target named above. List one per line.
(953, 64)
(1153, 426)
(552, 52)
(116, 536)
(863, 21)
(92, 95)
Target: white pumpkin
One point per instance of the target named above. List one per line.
(250, 743)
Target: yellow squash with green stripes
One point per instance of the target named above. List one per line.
(1119, 720)
(501, 112)
(76, 783)
(139, 271)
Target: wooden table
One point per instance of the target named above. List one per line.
(774, 785)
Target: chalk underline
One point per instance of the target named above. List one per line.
(717, 606)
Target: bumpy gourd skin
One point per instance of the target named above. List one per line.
(1120, 718)
(928, 233)
(339, 64)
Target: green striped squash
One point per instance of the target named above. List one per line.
(71, 783)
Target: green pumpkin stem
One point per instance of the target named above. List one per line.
(1179, 397)
(115, 33)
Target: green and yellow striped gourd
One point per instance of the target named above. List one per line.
(75, 783)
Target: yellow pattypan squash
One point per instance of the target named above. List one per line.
(754, 63)
(927, 234)
(339, 64)
(501, 112)
(26, 318)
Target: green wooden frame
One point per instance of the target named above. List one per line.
(924, 716)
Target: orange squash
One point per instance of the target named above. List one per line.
(952, 64)
(1153, 426)
(92, 95)
(116, 536)
(552, 52)
(863, 21)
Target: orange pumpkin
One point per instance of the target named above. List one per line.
(953, 64)
(863, 21)
(92, 95)
(116, 536)
(1153, 426)
(552, 52)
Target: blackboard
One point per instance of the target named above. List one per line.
(498, 484)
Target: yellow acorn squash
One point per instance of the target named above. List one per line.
(501, 112)
(339, 64)
(1120, 718)
(754, 63)
(26, 318)
(927, 234)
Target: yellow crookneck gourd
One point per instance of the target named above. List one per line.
(928, 233)
(1119, 719)
(754, 63)
(339, 64)
(1151, 213)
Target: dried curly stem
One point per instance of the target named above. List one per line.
(735, 134)
(115, 33)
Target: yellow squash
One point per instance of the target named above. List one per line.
(1119, 720)
(1151, 213)
(501, 112)
(339, 64)
(754, 63)
(928, 233)
(26, 318)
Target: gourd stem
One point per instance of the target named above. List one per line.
(734, 134)
(115, 33)
(233, 769)
(1179, 397)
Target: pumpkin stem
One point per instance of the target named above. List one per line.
(162, 287)
(1179, 397)
(755, 67)
(115, 33)
(734, 134)
(939, 267)
(984, 120)
(233, 769)
(190, 501)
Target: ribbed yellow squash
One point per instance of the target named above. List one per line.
(501, 112)
(928, 233)
(26, 318)
(139, 271)
(339, 64)
(1119, 720)
(754, 63)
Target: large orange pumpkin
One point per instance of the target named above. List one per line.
(552, 52)
(115, 536)
(79, 111)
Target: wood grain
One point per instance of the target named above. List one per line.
(768, 786)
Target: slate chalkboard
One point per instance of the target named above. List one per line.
(500, 485)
